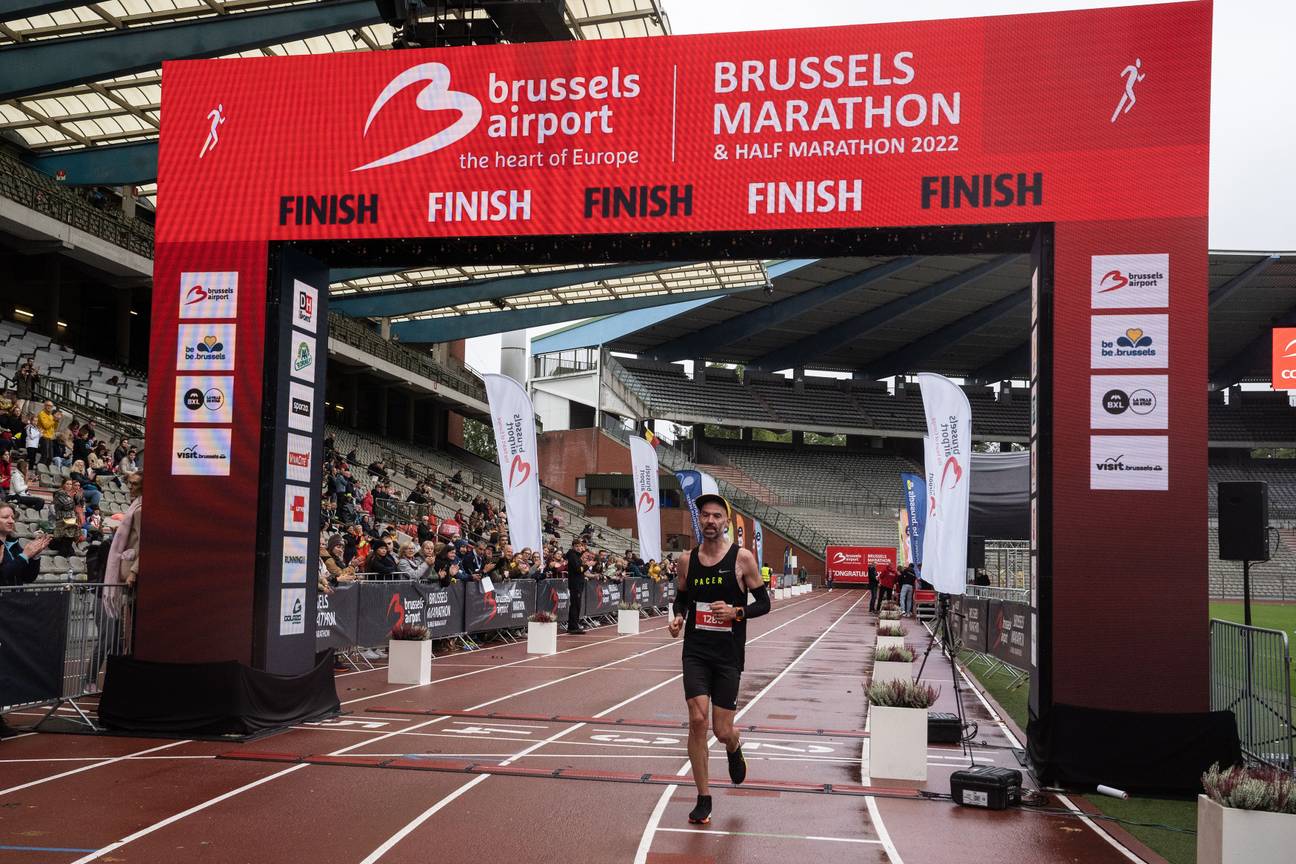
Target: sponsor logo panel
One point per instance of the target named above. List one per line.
(301, 407)
(1129, 462)
(298, 458)
(305, 306)
(209, 295)
(297, 508)
(200, 452)
(292, 611)
(1130, 281)
(1284, 358)
(301, 356)
(204, 399)
(1129, 401)
(294, 559)
(1130, 342)
(205, 347)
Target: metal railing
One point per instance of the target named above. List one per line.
(99, 623)
(989, 592)
(34, 190)
(454, 375)
(65, 394)
(1250, 675)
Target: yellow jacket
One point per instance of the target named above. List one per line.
(47, 424)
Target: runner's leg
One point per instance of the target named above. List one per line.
(697, 744)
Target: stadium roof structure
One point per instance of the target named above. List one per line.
(961, 315)
(81, 93)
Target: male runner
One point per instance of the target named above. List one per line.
(712, 610)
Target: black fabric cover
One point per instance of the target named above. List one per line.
(33, 625)
(999, 498)
(1133, 751)
(213, 698)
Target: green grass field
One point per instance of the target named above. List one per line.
(1176, 847)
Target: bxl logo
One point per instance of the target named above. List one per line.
(436, 96)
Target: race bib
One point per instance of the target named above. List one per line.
(705, 619)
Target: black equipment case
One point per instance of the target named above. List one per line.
(943, 728)
(986, 786)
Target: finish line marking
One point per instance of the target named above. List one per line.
(772, 836)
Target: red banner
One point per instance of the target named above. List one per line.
(849, 564)
(1025, 118)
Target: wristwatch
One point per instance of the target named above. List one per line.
(740, 614)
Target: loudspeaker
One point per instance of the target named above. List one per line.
(976, 552)
(1244, 521)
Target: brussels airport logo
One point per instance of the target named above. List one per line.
(395, 610)
(951, 464)
(847, 558)
(209, 295)
(646, 502)
(1113, 280)
(519, 472)
(435, 96)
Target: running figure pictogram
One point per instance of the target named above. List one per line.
(217, 117)
(1132, 76)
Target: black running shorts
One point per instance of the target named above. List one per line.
(708, 678)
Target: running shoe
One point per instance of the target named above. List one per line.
(737, 767)
(701, 814)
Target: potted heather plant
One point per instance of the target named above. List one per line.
(898, 729)
(890, 635)
(628, 618)
(542, 633)
(409, 655)
(1247, 814)
(892, 664)
(889, 615)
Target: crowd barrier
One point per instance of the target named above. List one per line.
(997, 632)
(1250, 675)
(362, 614)
(54, 640)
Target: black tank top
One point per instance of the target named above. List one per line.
(704, 636)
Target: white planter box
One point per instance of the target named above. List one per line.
(897, 743)
(890, 642)
(542, 637)
(628, 621)
(1226, 834)
(409, 661)
(781, 593)
(891, 670)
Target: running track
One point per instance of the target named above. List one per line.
(79, 799)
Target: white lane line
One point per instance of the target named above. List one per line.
(422, 817)
(111, 761)
(645, 841)
(419, 820)
(875, 815)
(143, 832)
(527, 660)
(763, 834)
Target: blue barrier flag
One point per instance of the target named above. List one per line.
(915, 499)
(690, 488)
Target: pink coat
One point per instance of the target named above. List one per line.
(123, 556)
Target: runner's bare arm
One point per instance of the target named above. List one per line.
(681, 597)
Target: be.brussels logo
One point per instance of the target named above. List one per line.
(209, 295)
(305, 306)
(200, 452)
(1125, 463)
(1129, 401)
(1130, 342)
(205, 347)
(204, 399)
(1284, 358)
(1130, 281)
